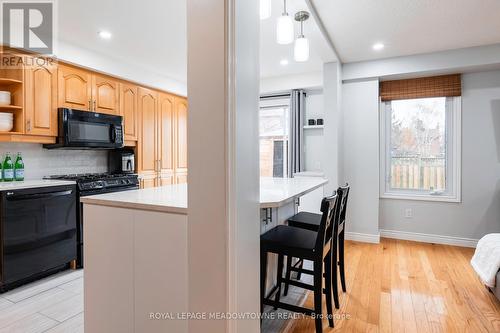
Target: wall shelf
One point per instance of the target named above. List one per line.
(10, 107)
(314, 127)
(10, 81)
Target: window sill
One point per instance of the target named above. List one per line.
(423, 197)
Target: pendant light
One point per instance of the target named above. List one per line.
(265, 9)
(301, 49)
(284, 27)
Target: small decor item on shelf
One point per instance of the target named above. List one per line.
(319, 121)
(8, 168)
(311, 122)
(5, 98)
(19, 168)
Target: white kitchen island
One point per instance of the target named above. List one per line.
(136, 260)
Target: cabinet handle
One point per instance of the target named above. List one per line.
(28, 125)
(90, 105)
(94, 106)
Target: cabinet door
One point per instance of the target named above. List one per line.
(167, 179)
(181, 178)
(105, 95)
(147, 142)
(181, 140)
(128, 110)
(41, 99)
(75, 88)
(166, 139)
(147, 182)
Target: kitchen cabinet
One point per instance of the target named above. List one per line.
(162, 142)
(147, 148)
(41, 99)
(129, 110)
(105, 95)
(181, 141)
(83, 90)
(75, 88)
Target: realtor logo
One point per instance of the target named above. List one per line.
(29, 25)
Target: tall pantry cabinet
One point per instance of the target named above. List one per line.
(162, 142)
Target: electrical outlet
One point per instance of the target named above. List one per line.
(409, 213)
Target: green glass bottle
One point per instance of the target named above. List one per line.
(8, 168)
(19, 168)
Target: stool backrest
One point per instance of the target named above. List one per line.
(329, 222)
(343, 192)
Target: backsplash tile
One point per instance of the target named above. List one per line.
(40, 162)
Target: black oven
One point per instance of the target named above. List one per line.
(88, 130)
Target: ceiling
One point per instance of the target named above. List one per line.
(271, 53)
(407, 27)
(149, 34)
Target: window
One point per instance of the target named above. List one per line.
(420, 155)
(274, 130)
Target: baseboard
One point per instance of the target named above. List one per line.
(428, 238)
(364, 238)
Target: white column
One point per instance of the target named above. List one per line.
(223, 183)
(332, 132)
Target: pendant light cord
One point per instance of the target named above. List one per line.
(284, 8)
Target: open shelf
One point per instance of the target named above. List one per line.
(10, 81)
(314, 126)
(10, 107)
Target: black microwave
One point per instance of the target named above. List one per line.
(88, 130)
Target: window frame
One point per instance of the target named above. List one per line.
(280, 101)
(453, 133)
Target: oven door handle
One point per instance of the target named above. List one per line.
(11, 196)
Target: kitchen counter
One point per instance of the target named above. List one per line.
(167, 199)
(274, 193)
(11, 186)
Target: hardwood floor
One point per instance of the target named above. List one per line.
(402, 286)
(51, 305)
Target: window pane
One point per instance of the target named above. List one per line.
(274, 128)
(418, 144)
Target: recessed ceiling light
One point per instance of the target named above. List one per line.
(378, 46)
(284, 62)
(105, 34)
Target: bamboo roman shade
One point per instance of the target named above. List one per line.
(435, 86)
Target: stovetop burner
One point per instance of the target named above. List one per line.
(90, 176)
(96, 183)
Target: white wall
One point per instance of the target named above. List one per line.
(288, 82)
(361, 156)
(479, 211)
(40, 162)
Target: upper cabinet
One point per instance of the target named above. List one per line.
(148, 143)
(105, 95)
(166, 136)
(41, 99)
(75, 88)
(129, 111)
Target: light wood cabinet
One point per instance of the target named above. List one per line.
(147, 148)
(181, 167)
(105, 95)
(41, 99)
(162, 142)
(75, 88)
(129, 110)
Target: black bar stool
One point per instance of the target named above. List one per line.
(311, 221)
(304, 245)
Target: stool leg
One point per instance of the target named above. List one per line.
(287, 274)
(299, 273)
(279, 279)
(328, 288)
(263, 273)
(341, 260)
(335, 288)
(318, 294)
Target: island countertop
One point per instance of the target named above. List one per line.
(274, 192)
